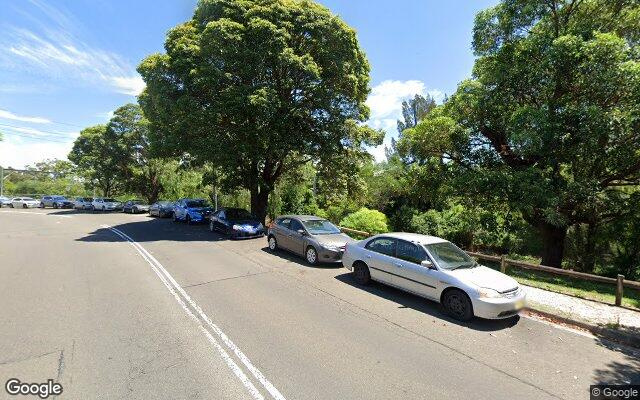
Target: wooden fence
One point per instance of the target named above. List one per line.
(619, 282)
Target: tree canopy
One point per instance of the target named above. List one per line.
(257, 88)
(550, 120)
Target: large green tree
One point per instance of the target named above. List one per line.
(258, 87)
(93, 155)
(550, 121)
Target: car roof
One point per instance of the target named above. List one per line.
(301, 217)
(414, 237)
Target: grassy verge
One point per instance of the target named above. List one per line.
(574, 287)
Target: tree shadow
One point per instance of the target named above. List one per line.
(70, 211)
(425, 306)
(154, 230)
(625, 372)
(299, 260)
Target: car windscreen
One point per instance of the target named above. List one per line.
(110, 200)
(197, 204)
(28, 199)
(165, 203)
(320, 227)
(449, 256)
(87, 199)
(238, 213)
(59, 198)
(136, 201)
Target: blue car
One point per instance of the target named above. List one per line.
(191, 211)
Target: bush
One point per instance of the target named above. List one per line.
(372, 221)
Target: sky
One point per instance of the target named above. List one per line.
(67, 65)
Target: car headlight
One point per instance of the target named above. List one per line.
(487, 293)
(332, 247)
(237, 227)
(260, 226)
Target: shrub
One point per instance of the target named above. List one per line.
(372, 221)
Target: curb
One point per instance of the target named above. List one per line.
(612, 335)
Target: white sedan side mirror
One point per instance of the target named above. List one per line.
(428, 264)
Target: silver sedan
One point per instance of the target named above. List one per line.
(434, 268)
(314, 238)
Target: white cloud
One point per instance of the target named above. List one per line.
(58, 54)
(385, 102)
(132, 85)
(5, 114)
(19, 152)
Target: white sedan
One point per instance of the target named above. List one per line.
(436, 269)
(24, 202)
(105, 204)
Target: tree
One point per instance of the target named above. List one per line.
(137, 169)
(549, 122)
(414, 110)
(258, 88)
(93, 155)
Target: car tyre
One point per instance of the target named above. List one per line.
(103, 209)
(55, 205)
(311, 255)
(188, 220)
(134, 210)
(457, 305)
(273, 243)
(211, 227)
(41, 205)
(361, 273)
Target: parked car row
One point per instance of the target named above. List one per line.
(427, 266)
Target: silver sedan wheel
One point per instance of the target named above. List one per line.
(312, 255)
(272, 243)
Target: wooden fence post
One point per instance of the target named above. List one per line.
(619, 289)
(503, 264)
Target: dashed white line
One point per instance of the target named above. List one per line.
(172, 286)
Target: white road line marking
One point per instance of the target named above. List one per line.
(157, 267)
(35, 213)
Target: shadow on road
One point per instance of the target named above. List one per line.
(626, 372)
(431, 308)
(156, 229)
(295, 259)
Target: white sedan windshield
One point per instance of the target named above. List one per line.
(449, 256)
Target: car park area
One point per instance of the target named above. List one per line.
(107, 286)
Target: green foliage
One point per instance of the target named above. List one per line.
(414, 110)
(372, 221)
(94, 155)
(549, 122)
(258, 88)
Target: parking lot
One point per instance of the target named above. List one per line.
(115, 305)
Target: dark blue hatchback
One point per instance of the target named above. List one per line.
(236, 222)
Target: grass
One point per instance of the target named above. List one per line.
(571, 286)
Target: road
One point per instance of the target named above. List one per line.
(127, 306)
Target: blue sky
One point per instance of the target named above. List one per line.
(67, 65)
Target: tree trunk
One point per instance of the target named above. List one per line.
(552, 244)
(259, 202)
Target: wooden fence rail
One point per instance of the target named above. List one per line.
(620, 282)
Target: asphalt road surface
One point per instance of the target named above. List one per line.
(127, 306)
